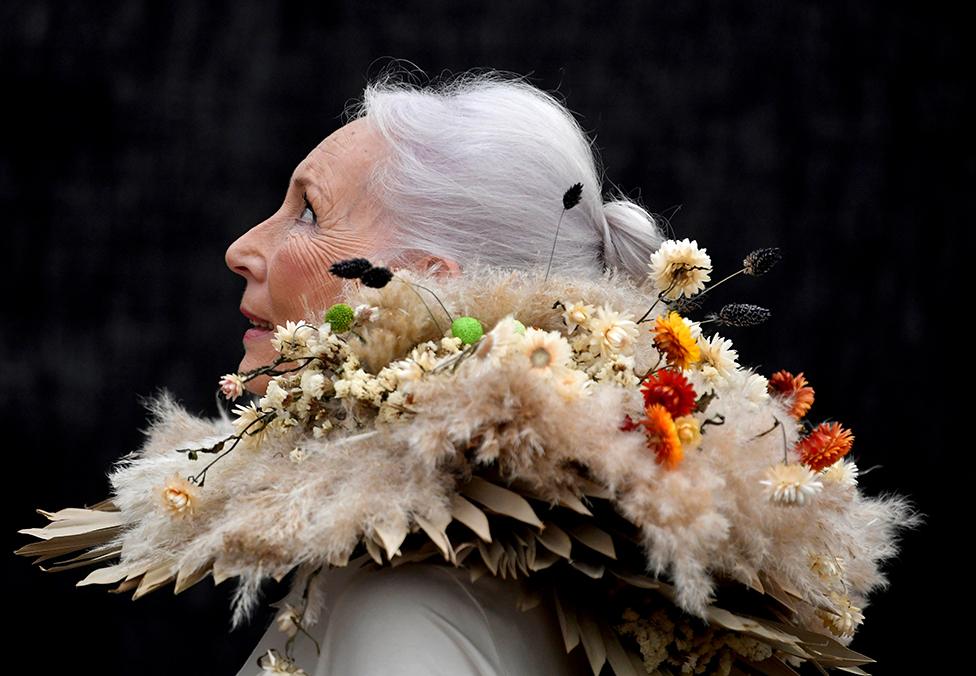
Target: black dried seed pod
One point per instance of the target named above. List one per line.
(743, 314)
(572, 196)
(761, 261)
(376, 278)
(350, 268)
(685, 306)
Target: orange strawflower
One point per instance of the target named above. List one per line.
(672, 337)
(670, 389)
(662, 435)
(787, 385)
(825, 445)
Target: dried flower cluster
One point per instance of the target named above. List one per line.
(376, 419)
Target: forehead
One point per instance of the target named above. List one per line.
(348, 151)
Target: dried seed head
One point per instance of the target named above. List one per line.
(376, 278)
(742, 314)
(761, 261)
(350, 268)
(572, 196)
(685, 306)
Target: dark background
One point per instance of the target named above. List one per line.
(140, 139)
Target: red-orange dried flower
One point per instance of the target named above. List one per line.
(672, 390)
(825, 445)
(662, 436)
(795, 387)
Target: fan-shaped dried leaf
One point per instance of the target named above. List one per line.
(501, 500)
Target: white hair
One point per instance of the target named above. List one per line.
(477, 167)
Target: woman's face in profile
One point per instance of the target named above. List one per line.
(326, 216)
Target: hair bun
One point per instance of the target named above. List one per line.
(632, 235)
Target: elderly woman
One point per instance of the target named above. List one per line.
(430, 179)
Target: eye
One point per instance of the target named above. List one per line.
(308, 213)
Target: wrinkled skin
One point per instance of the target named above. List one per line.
(285, 258)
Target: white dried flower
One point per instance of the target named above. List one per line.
(231, 386)
(718, 359)
(273, 662)
(288, 619)
(290, 340)
(297, 454)
(572, 384)
(274, 396)
(366, 313)
(792, 484)
(313, 383)
(680, 268)
(828, 567)
(612, 332)
(845, 621)
(843, 472)
(755, 388)
(618, 369)
(321, 429)
(577, 314)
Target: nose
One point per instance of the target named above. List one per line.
(244, 256)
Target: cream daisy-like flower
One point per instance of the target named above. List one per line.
(290, 340)
(680, 268)
(843, 472)
(846, 620)
(718, 359)
(755, 388)
(612, 332)
(246, 420)
(793, 484)
(180, 496)
(547, 351)
(578, 314)
(231, 386)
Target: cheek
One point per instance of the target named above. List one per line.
(300, 268)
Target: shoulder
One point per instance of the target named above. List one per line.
(413, 618)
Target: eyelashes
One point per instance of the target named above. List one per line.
(308, 213)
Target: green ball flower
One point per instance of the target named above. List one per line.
(340, 316)
(519, 327)
(468, 329)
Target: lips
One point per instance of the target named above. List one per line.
(257, 320)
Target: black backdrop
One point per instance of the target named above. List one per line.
(140, 139)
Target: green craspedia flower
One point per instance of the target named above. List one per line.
(468, 329)
(340, 316)
(519, 327)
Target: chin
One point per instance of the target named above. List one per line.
(255, 356)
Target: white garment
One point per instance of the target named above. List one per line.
(425, 619)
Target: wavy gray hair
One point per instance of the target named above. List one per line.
(476, 169)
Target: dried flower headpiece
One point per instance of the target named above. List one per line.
(677, 505)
